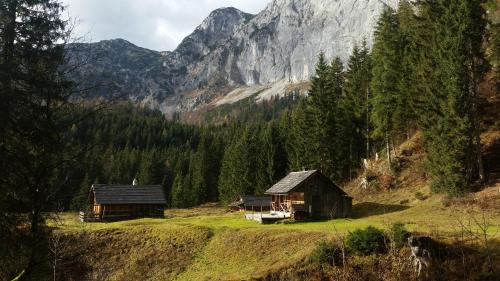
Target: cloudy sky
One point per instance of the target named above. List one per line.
(154, 24)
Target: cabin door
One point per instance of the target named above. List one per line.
(316, 205)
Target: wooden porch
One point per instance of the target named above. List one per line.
(287, 203)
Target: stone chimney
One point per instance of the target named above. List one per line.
(134, 182)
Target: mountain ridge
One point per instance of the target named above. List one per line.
(233, 50)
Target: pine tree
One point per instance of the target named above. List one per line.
(151, 169)
(177, 198)
(298, 144)
(339, 123)
(357, 98)
(34, 115)
(239, 165)
(320, 102)
(271, 160)
(386, 58)
(328, 120)
(450, 32)
(228, 174)
(405, 112)
(80, 202)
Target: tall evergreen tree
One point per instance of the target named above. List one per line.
(177, 197)
(272, 160)
(357, 91)
(298, 144)
(386, 57)
(321, 100)
(328, 120)
(239, 165)
(33, 115)
(448, 65)
(405, 112)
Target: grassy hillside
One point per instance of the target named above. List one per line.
(210, 243)
(225, 246)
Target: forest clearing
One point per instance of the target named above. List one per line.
(209, 242)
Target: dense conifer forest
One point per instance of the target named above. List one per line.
(421, 74)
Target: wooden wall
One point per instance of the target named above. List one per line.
(323, 199)
(132, 209)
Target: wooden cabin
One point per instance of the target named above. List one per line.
(252, 203)
(120, 202)
(310, 194)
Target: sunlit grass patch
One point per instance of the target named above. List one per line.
(250, 253)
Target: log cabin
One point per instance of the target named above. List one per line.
(309, 194)
(121, 202)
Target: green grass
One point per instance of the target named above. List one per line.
(136, 250)
(429, 215)
(237, 254)
(210, 243)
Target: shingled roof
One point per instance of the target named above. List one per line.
(128, 194)
(255, 201)
(293, 180)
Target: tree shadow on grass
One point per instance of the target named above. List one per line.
(367, 209)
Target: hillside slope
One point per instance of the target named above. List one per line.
(210, 243)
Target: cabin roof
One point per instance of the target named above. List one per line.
(256, 201)
(128, 194)
(250, 200)
(293, 180)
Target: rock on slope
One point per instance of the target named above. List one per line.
(232, 50)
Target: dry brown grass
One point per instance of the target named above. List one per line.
(457, 262)
(137, 253)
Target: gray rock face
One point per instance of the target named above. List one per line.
(231, 49)
(210, 34)
(284, 40)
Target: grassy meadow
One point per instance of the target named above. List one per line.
(211, 243)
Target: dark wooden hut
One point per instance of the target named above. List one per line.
(252, 203)
(119, 202)
(309, 193)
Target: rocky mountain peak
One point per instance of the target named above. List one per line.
(235, 54)
(224, 20)
(212, 32)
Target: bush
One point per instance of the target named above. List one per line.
(386, 181)
(398, 164)
(420, 196)
(327, 253)
(366, 241)
(398, 234)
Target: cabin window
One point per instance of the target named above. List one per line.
(297, 198)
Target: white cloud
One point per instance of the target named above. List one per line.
(153, 24)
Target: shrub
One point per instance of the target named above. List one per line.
(398, 164)
(398, 234)
(326, 252)
(464, 200)
(386, 181)
(366, 241)
(420, 196)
